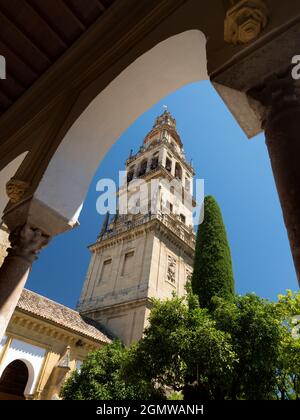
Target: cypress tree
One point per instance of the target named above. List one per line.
(213, 274)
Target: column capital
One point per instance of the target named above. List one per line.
(26, 242)
(278, 93)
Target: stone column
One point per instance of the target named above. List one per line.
(282, 130)
(26, 242)
(173, 167)
(149, 161)
(162, 157)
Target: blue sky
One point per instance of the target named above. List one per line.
(236, 171)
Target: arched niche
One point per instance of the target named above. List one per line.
(15, 380)
(20, 374)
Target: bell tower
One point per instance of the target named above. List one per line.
(148, 252)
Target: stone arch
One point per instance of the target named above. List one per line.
(31, 377)
(30, 370)
(16, 379)
(143, 167)
(179, 60)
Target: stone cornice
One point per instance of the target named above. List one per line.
(154, 225)
(115, 307)
(244, 70)
(48, 328)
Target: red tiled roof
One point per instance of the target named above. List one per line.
(62, 316)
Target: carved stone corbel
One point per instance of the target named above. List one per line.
(245, 21)
(16, 189)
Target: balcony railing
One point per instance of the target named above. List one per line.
(171, 221)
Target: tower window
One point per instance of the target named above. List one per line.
(143, 168)
(128, 263)
(187, 184)
(172, 145)
(130, 176)
(154, 163)
(178, 171)
(182, 218)
(168, 165)
(170, 206)
(106, 270)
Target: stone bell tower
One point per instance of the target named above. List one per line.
(149, 251)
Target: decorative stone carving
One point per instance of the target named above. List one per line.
(171, 269)
(26, 242)
(188, 275)
(277, 94)
(15, 189)
(245, 21)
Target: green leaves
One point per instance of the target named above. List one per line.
(254, 326)
(180, 341)
(101, 378)
(242, 349)
(288, 372)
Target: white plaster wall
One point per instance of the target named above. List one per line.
(178, 60)
(32, 356)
